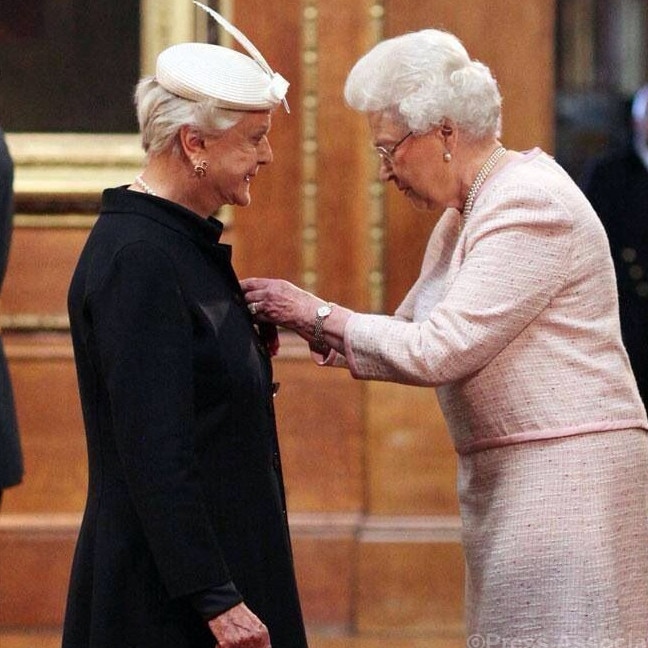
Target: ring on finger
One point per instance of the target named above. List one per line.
(253, 308)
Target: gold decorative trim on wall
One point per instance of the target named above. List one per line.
(164, 23)
(309, 144)
(225, 8)
(410, 529)
(31, 322)
(377, 217)
(72, 166)
(394, 529)
(57, 221)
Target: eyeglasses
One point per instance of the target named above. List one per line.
(387, 154)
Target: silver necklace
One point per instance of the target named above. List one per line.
(480, 178)
(140, 182)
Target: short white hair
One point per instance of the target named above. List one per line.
(423, 78)
(161, 114)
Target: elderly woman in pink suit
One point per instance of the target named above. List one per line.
(514, 321)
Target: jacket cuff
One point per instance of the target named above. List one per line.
(212, 602)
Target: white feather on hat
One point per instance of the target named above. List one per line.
(235, 81)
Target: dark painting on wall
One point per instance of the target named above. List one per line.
(68, 65)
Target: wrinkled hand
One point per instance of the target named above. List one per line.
(239, 628)
(280, 302)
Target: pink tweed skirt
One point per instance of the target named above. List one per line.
(556, 542)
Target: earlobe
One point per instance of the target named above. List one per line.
(448, 137)
(446, 131)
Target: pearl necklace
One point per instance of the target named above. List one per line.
(140, 182)
(480, 178)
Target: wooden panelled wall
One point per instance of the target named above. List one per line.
(369, 468)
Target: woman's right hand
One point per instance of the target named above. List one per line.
(280, 302)
(239, 627)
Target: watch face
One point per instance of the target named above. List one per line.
(324, 311)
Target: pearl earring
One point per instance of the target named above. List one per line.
(447, 156)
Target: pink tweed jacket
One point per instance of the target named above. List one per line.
(514, 318)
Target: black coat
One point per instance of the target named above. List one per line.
(185, 486)
(11, 466)
(617, 187)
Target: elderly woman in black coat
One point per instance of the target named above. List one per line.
(184, 540)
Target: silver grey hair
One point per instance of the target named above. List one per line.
(423, 78)
(161, 114)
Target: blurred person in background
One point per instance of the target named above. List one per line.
(11, 464)
(617, 187)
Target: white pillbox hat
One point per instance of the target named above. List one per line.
(234, 80)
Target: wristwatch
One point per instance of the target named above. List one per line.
(323, 312)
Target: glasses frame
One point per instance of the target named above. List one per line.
(387, 154)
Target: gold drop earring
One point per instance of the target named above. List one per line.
(201, 169)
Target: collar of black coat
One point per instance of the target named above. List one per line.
(167, 213)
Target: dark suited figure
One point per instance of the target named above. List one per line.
(11, 466)
(617, 187)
